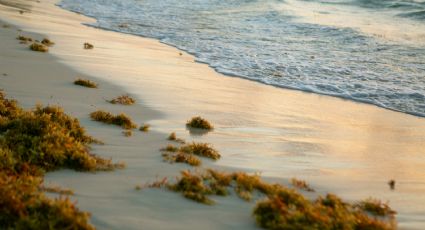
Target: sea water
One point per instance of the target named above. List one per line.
(288, 44)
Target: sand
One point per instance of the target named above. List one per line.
(339, 146)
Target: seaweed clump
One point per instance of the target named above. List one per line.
(24, 206)
(47, 42)
(199, 186)
(173, 137)
(24, 39)
(48, 139)
(85, 83)
(33, 142)
(287, 209)
(283, 208)
(187, 153)
(199, 123)
(200, 149)
(180, 157)
(144, 128)
(121, 119)
(375, 207)
(88, 46)
(123, 100)
(38, 47)
(172, 154)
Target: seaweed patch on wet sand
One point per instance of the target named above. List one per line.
(121, 119)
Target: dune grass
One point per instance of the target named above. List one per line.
(121, 119)
(199, 123)
(123, 100)
(39, 47)
(33, 142)
(279, 207)
(85, 83)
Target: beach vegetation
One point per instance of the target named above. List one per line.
(121, 119)
(123, 100)
(38, 47)
(144, 127)
(88, 46)
(199, 123)
(85, 83)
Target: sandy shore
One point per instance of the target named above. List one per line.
(34, 78)
(343, 147)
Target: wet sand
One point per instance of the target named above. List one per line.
(339, 146)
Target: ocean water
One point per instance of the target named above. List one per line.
(283, 43)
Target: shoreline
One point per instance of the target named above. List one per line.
(417, 115)
(228, 126)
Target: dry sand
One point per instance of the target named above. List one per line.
(340, 146)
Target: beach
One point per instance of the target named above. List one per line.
(338, 146)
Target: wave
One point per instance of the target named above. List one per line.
(419, 15)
